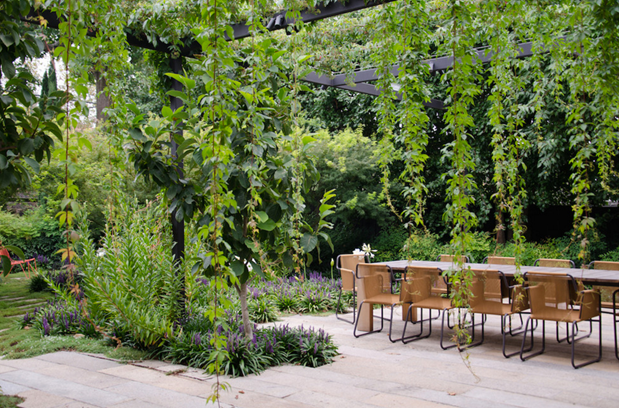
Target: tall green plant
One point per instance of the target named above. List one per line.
(130, 282)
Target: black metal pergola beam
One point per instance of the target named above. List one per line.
(189, 47)
(358, 80)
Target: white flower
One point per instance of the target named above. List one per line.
(101, 252)
(368, 250)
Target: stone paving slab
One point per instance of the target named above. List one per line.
(10, 388)
(136, 404)
(80, 376)
(158, 379)
(41, 399)
(78, 360)
(154, 395)
(61, 388)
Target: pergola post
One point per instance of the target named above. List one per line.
(178, 227)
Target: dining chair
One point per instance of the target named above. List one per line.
(376, 289)
(609, 306)
(347, 265)
(418, 292)
(487, 299)
(450, 258)
(499, 260)
(552, 297)
(554, 263)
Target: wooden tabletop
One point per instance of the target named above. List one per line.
(587, 276)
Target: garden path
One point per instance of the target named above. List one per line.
(370, 372)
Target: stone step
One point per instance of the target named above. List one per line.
(7, 299)
(32, 306)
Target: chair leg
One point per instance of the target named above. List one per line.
(446, 312)
(517, 330)
(473, 325)
(504, 333)
(419, 336)
(615, 322)
(537, 353)
(391, 326)
(354, 332)
(574, 340)
(337, 307)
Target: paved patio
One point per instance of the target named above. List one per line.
(370, 372)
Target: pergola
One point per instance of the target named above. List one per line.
(360, 81)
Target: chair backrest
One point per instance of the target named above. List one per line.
(605, 265)
(436, 280)
(373, 285)
(349, 261)
(417, 289)
(554, 263)
(500, 260)
(451, 258)
(368, 269)
(493, 284)
(551, 291)
(348, 279)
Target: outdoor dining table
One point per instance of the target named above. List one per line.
(597, 277)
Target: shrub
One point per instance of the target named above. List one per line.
(389, 243)
(36, 233)
(421, 246)
(37, 284)
(133, 288)
(270, 346)
(59, 317)
(262, 311)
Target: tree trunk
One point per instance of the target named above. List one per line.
(103, 100)
(500, 234)
(248, 326)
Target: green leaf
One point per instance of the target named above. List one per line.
(8, 68)
(166, 112)
(248, 96)
(187, 82)
(15, 250)
(136, 134)
(6, 264)
(4, 164)
(263, 216)
(308, 242)
(280, 174)
(237, 267)
(268, 225)
(307, 140)
(33, 164)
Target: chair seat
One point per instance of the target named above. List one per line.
(433, 302)
(492, 308)
(557, 315)
(384, 299)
